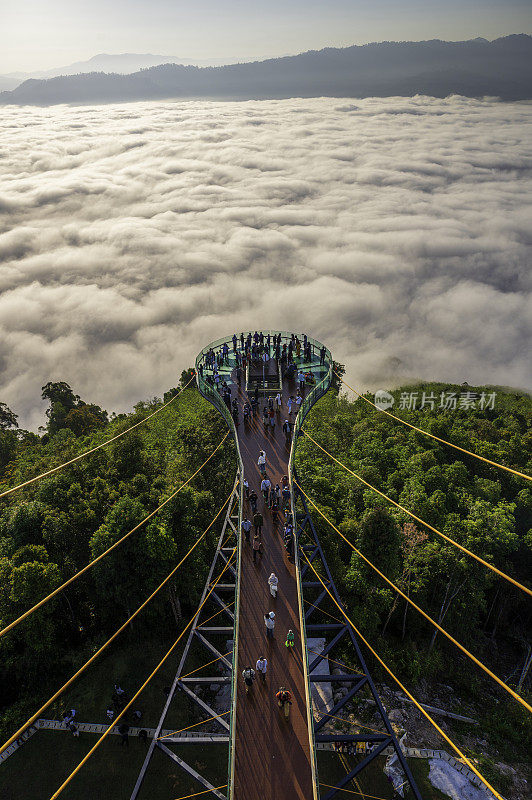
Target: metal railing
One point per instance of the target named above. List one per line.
(312, 397)
(213, 396)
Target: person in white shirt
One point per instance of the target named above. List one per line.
(269, 621)
(262, 462)
(273, 583)
(265, 487)
(262, 666)
(278, 400)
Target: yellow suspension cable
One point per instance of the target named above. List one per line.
(403, 688)
(323, 612)
(422, 521)
(340, 663)
(347, 768)
(188, 674)
(195, 725)
(82, 669)
(461, 647)
(355, 723)
(350, 791)
(126, 707)
(106, 552)
(437, 438)
(196, 794)
(98, 447)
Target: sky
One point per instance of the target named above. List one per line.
(42, 34)
(395, 230)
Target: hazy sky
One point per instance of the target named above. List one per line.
(41, 34)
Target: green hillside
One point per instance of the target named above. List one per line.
(52, 528)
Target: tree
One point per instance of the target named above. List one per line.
(24, 523)
(85, 418)
(8, 419)
(67, 410)
(129, 573)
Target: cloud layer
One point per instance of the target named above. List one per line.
(395, 230)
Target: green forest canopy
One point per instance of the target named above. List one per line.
(53, 528)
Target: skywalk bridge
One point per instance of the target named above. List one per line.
(270, 758)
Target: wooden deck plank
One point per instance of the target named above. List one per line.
(272, 756)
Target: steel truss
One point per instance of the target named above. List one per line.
(204, 634)
(375, 743)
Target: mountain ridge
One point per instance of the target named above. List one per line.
(477, 67)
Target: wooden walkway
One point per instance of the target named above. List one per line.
(272, 759)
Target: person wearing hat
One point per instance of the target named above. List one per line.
(269, 621)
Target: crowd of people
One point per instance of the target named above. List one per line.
(276, 500)
(119, 700)
(267, 498)
(257, 349)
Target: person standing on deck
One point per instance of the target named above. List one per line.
(286, 497)
(253, 500)
(287, 430)
(262, 666)
(273, 583)
(265, 487)
(246, 528)
(257, 544)
(301, 379)
(258, 522)
(269, 621)
(246, 489)
(249, 676)
(290, 639)
(279, 402)
(271, 414)
(265, 418)
(290, 404)
(261, 461)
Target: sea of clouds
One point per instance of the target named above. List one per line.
(395, 230)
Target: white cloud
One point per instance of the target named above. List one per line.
(395, 230)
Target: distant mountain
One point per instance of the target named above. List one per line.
(120, 63)
(500, 68)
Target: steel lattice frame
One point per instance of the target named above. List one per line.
(359, 680)
(227, 542)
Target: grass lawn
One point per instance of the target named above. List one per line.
(37, 769)
(372, 780)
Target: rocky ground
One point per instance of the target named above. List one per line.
(416, 731)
